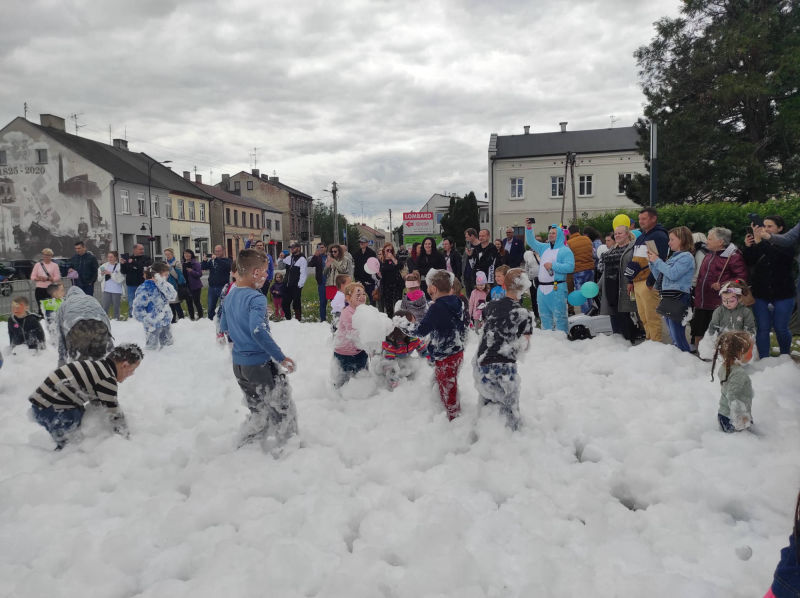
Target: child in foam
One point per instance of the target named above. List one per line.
(397, 349)
(735, 312)
(349, 357)
(477, 299)
(414, 299)
(338, 303)
(735, 403)
(151, 305)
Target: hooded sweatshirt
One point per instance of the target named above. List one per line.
(557, 253)
(444, 323)
(639, 267)
(79, 306)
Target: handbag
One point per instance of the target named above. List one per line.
(672, 305)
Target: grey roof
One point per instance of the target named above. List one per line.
(226, 197)
(557, 144)
(122, 164)
(284, 186)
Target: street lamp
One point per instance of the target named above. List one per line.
(333, 191)
(150, 200)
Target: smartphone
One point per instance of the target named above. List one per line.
(756, 220)
(651, 247)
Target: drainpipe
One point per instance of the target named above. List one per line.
(114, 227)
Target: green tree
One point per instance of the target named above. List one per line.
(462, 213)
(323, 223)
(722, 82)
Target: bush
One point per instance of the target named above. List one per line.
(703, 217)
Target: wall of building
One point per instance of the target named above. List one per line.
(188, 233)
(537, 201)
(130, 218)
(237, 226)
(50, 202)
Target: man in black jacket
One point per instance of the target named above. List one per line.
(359, 259)
(86, 266)
(133, 268)
(317, 262)
(485, 256)
(452, 258)
(219, 274)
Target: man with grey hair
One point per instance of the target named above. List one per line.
(514, 247)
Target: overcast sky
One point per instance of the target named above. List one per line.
(393, 100)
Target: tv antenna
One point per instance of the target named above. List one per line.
(74, 117)
(614, 119)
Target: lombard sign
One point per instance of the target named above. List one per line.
(418, 223)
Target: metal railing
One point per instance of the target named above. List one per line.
(11, 289)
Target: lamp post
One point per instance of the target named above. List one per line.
(150, 200)
(334, 190)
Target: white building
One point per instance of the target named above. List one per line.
(526, 175)
(439, 204)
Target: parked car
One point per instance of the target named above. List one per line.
(23, 268)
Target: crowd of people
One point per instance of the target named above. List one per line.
(645, 275)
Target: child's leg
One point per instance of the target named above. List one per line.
(278, 301)
(256, 382)
(165, 336)
(282, 419)
(725, 424)
(60, 423)
(498, 384)
(447, 380)
(151, 339)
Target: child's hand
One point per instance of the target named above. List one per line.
(289, 364)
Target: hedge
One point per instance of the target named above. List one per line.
(703, 217)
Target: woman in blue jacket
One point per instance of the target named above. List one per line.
(675, 279)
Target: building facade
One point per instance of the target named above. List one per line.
(296, 207)
(527, 175)
(439, 204)
(190, 219)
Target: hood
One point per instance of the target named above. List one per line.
(73, 291)
(560, 237)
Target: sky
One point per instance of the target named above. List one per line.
(394, 101)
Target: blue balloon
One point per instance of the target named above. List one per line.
(590, 289)
(636, 232)
(576, 298)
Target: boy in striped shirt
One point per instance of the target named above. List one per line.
(60, 401)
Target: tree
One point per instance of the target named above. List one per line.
(461, 214)
(722, 83)
(323, 223)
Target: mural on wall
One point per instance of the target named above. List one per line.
(50, 198)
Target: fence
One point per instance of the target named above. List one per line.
(12, 289)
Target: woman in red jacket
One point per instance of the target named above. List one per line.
(723, 262)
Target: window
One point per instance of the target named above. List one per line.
(41, 156)
(277, 225)
(236, 218)
(125, 200)
(267, 223)
(142, 204)
(227, 215)
(517, 188)
(556, 186)
(191, 210)
(202, 212)
(181, 209)
(237, 186)
(585, 185)
(168, 208)
(252, 219)
(249, 185)
(625, 179)
(154, 207)
(3, 159)
(258, 220)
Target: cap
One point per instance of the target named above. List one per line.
(363, 240)
(480, 277)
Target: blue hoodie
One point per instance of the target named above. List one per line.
(244, 318)
(444, 322)
(565, 262)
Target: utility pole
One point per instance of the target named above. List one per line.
(110, 136)
(25, 109)
(334, 191)
(653, 163)
(254, 155)
(391, 230)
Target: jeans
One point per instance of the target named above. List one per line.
(131, 295)
(87, 288)
(194, 302)
(677, 331)
(498, 384)
(292, 302)
(269, 398)
(349, 366)
(578, 279)
(59, 422)
(773, 314)
(110, 299)
(323, 302)
(553, 307)
(213, 298)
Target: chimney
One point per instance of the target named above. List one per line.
(273, 179)
(52, 121)
(198, 178)
(527, 129)
(186, 175)
(563, 125)
(226, 182)
(256, 173)
(121, 144)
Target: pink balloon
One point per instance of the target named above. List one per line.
(373, 266)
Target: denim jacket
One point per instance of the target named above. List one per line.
(677, 271)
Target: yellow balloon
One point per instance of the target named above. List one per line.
(621, 220)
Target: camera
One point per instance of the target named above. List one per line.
(126, 256)
(755, 219)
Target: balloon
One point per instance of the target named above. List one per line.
(636, 232)
(589, 289)
(576, 298)
(621, 220)
(373, 266)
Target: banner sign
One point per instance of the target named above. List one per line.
(418, 223)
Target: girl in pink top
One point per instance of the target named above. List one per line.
(349, 359)
(44, 273)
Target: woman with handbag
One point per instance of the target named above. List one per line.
(44, 273)
(111, 280)
(675, 279)
(178, 282)
(339, 262)
(615, 300)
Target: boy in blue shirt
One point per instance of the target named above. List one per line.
(256, 356)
